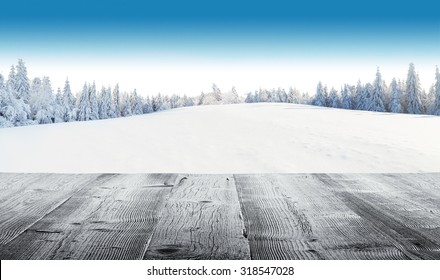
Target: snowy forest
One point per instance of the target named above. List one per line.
(25, 102)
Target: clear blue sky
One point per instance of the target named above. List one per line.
(194, 43)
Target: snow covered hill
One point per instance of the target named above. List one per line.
(241, 138)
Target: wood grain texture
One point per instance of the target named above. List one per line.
(338, 231)
(201, 220)
(258, 216)
(26, 198)
(402, 208)
(111, 218)
(276, 227)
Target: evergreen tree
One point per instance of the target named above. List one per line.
(436, 106)
(148, 106)
(216, 93)
(377, 97)
(334, 100)
(359, 98)
(249, 98)
(59, 107)
(94, 109)
(126, 106)
(21, 82)
(84, 111)
(368, 97)
(293, 96)
(320, 96)
(413, 91)
(396, 98)
(69, 112)
(117, 101)
(234, 97)
(347, 99)
(136, 103)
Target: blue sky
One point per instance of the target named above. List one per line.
(248, 44)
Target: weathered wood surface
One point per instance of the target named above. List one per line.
(185, 216)
(201, 220)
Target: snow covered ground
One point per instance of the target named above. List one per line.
(242, 138)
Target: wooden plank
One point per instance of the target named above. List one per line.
(297, 217)
(276, 228)
(111, 218)
(26, 198)
(201, 220)
(339, 230)
(401, 206)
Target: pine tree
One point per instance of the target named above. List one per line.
(117, 101)
(396, 98)
(249, 98)
(377, 97)
(21, 82)
(59, 107)
(436, 106)
(84, 111)
(216, 93)
(359, 99)
(234, 97)
(413, 91)
(69, 113)
(148, 106)
(367, 95)
(136, 103)
(334, 101)
(347, 100)
(94, 109)
(293, 96)
(320, 96)
(126, 106)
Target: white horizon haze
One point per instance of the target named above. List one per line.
(190, 75)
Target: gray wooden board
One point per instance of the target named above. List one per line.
(201, 220)
(258, 216)
(111, 218)
(26, 198)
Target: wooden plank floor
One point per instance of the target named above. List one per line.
(188, 216)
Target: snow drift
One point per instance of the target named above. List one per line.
(239, 138)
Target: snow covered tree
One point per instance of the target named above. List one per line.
(413, 91)
(333, 98)
(216, 92)
(396, 98)
(42, 101)
(377, 97)
(249, 98)
(234, 96)
(136, 103)
(320, 96)
(347, 100)
(84, 111)
(69, 111)
(21, 82)
(58, 115)
(126, 106)
(105, 104)
(117, 101)
(359, 99)
(436, 106)
(293, 96)
(368, 97)
(94, 109)
(13, 111)
(147, 106)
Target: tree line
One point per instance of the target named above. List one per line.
(397, 97)
(25, 102)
